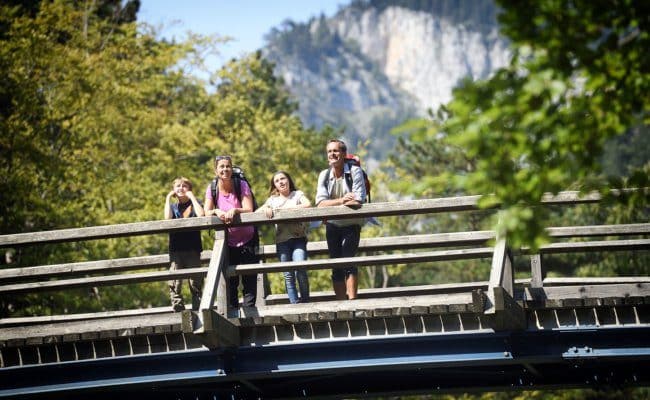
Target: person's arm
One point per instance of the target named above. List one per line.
(198, 209)
(263, 206)
(333, 202)
(303, 201)
(358, 187)
(322, 194)
(209, 201)
(246, 207)
(246, 203)
(266, 208)
(167, 211)
(209, 208)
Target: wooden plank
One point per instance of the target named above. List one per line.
(83, 268)
(260, 298)
(424, 206)
(458, 308)
(571, 197)
(356, 309)
(218, 331)
(268, 251)
(599, 230)
(92, 327)
(6, 322)
(564, 296)
(571, 281)
(497, 274)
(466, 238)
(110, 231)
(472, 238)
(508, 315)
(410, 207)
(215, 272)
(439, 309)
(442, 255)
(536, 274)
(602, 245)
(388, 243)
(371, 293)
(479, 300)
(101, 281)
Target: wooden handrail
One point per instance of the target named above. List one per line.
(599, 230)
(409, 207)
(388, 243)
(443, 255)
(501, 280)
(106, 280)
(602, 245)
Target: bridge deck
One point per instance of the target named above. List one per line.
(532, 329)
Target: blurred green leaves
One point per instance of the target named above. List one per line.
(579, 79)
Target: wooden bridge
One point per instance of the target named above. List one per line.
(499, 334)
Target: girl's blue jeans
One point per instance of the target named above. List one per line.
(295, 281)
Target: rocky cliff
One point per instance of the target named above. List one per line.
(377, 63)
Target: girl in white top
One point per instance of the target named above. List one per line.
(290, 238)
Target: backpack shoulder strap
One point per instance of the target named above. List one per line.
(236, 182)
(213, 190)
(348, 177)
(327, 179)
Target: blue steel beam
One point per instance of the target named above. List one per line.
(422, 363)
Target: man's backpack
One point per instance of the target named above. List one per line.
(352, 159)
(237, 178)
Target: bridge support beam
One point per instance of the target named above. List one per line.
(212, 329)
(499, 300)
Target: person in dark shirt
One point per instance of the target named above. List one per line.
(184, 247)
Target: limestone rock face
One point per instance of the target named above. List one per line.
(368, 69)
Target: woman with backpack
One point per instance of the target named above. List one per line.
(228, 196)
(290, 238)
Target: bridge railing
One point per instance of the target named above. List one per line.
(497, 296)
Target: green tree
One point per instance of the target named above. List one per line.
(579, 79)
(97, 123)
(83, 107)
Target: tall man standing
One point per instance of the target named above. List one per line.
(342, 184)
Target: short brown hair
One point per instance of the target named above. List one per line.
(341, 143)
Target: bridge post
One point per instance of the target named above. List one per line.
(263, 288)
(210, 324)
(263, 284)
(500, 301)
(536, 271)
(216, 284)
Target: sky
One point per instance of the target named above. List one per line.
(246, 21)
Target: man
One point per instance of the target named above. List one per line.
(342, 184)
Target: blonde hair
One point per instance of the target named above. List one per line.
(182, 180)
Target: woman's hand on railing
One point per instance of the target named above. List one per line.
(268, 210)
